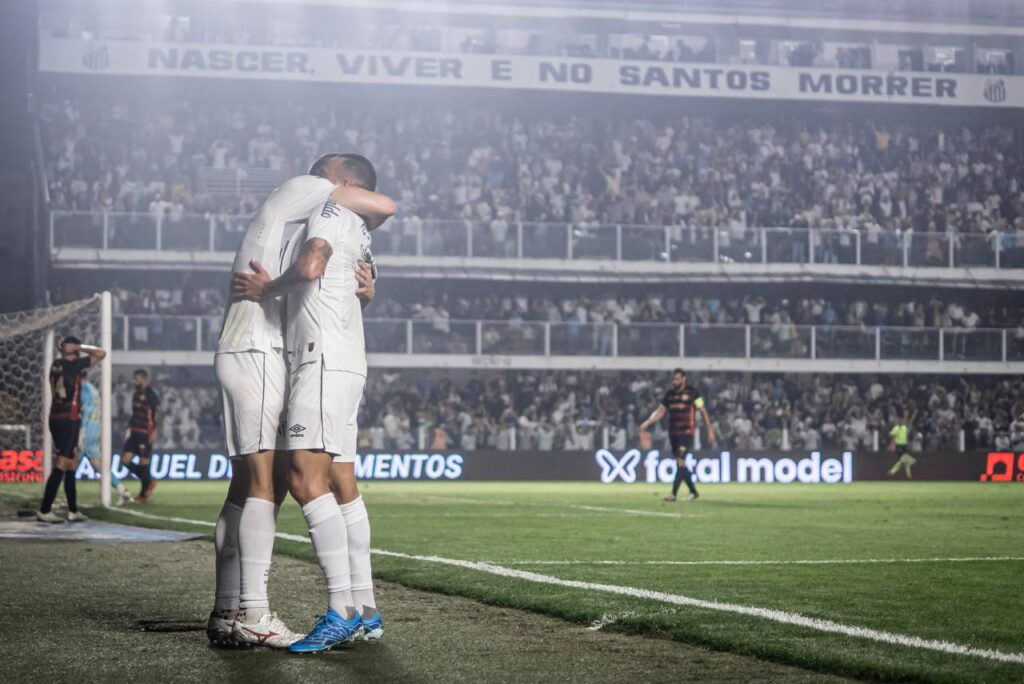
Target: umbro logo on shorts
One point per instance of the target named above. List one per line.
(297, 430)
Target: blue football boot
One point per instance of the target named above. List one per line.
(329, 631)
(373, 628)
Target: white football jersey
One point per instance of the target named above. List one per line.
(257, 326)
(325, 317)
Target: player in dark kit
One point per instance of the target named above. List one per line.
(681, 403)
(65, 424)
(141, 433)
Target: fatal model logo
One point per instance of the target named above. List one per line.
(725, 467)
(96, 58)
(995, 91)
(999, 467)
(613, 468)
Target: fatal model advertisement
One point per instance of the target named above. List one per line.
(627, 466)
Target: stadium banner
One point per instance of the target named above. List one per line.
(601, 465)
(611, 76)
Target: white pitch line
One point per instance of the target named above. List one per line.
(771, 614)
(599, 509)
(150, 516)
(826, 561)
(628, 511)
(753, 611)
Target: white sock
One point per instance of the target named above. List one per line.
(255, 549)
(225, 544)
(330, 542)
(357, 522)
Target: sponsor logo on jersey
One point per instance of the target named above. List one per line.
(330, 210)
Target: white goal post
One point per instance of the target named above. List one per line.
(28, 346)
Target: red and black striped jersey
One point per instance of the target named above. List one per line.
(66, 388)
(682, 405)
(145, 403)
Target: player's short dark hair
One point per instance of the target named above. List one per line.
(679, 371)
(361, 170)
(70, 339)
(140, 371)
(319, 167)
(358, 167)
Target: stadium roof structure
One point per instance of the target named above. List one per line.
(981, 17)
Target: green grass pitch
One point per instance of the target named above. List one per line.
(626, 536)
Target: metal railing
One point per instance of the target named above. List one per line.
(568, 241)
(166, 333)
(693, 340)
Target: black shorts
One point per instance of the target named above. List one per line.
(137, 443)
(902, 450)
(65, 436)
(683, 443)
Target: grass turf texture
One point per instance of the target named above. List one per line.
(974, 603)
(111, 622)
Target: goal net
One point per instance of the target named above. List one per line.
(28, 345)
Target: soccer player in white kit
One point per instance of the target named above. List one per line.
(327, 356)
(252, 373)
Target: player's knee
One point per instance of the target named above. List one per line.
(301, 487)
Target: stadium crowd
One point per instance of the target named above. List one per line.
(205, 294)
(190, 407)
(599, 168)
(566, 410)
(606, 307)
(444, 320)
(570, 410)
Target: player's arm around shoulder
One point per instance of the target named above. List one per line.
(309, 265)
(372, 207)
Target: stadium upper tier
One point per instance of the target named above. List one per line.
(520, 243)
(850, 36)
(175, 293)
(860, 187)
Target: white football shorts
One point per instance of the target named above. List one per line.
(323, 407)
(254, 390)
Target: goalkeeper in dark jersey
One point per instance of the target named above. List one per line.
(682, 403)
